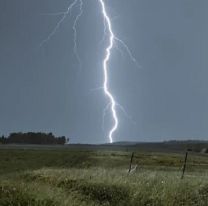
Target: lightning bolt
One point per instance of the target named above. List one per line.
(105, 70)
(113, 41)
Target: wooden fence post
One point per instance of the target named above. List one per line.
(130, 165)
(184, 165)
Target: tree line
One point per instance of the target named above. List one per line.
(33, 138)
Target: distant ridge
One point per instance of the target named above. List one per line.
(163, 146)
(128, 146)
(125, 143)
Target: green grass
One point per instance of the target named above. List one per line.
(62, 177)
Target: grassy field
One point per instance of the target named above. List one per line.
(61, 176)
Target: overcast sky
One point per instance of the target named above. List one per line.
(44, 89)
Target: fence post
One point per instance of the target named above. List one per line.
(184, 165)
(130, 165)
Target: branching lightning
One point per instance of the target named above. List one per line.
(113, 42)
(64, 15)
(75, 30)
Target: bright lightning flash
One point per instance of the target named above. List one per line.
(105, 70)
(112, 105)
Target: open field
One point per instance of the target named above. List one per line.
(79, 176)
